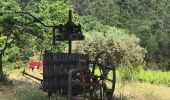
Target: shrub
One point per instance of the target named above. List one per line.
(124, 48)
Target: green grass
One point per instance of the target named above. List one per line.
(25, 89)
(145, 91)
(29, 91)
(153, 77)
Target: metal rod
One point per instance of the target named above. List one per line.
(70, 16)
(24, 73)
(70, 73)
(70, 46)
(53, 35)
(84, 87)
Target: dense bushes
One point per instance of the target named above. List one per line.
(124, 48)
(147, 19)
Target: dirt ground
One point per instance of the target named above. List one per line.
(7, 93)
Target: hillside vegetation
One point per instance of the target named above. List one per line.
(135, 32)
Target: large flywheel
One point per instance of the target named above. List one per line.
(103, 77)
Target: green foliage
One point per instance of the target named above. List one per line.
(91, 23)
(128, 72)
(124, 48)
(21, 36)
(148, 20)
(103, 10)
(153, 77)
(50, 12)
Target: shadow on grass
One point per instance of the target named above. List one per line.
(120, 98)
(4, 81)
(27, 90)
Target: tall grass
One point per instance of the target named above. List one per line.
(31, 91)
(153, 77)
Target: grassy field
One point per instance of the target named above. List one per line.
(153, 77)
(25, 89)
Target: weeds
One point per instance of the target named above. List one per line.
(153, 77)
(29, 91)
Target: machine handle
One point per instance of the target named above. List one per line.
(24, 73)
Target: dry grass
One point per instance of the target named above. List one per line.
(143, 91)
(25, 89)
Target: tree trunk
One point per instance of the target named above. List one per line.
(2, 52)
(1, 71)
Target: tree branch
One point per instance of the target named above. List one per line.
(6, 45)
(36, 20)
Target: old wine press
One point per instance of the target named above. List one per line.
(74, 74)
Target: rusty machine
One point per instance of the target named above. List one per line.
(74, 74)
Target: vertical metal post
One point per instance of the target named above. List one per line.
(70, 16)
(70, 46)
(84, 87)
(70, 20)
(53, 35)
(70, 73)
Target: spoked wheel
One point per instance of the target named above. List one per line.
(103, 77)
